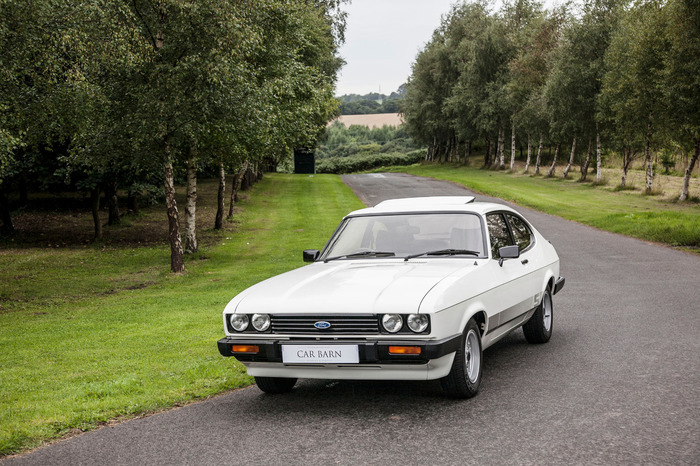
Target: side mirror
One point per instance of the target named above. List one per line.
(508, 252)
(310, 255)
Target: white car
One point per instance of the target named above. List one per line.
(412, 289)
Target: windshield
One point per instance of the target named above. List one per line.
(404, 235)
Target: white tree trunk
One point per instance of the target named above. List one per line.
(538, 160)
(191, 244)
(512, 145)
(496, 150)
(554, 161)
(689, 171)
(598, 156)
(587, 163)
(529, 153)
(177, 263)
(647, 156)
(501, 148)
(571, 158)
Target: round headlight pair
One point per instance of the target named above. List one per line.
(417, 322)
(240, 322)
(392, 323)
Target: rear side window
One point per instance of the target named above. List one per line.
(521, 232)
(498, 232)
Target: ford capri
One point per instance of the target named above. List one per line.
(411, 289)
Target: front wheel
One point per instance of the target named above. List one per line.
(465, 376)
(539, 328)
(275, 385)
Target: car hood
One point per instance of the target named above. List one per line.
(342, 287)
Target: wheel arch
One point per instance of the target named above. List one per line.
(478, 313)
(549, 279)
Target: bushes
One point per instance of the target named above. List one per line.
(339, 165)
(358, 148)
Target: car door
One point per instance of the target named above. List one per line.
(513, 288)
(532, 277)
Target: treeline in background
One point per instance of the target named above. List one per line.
(603, 77)
(106, 95)
(355, 104)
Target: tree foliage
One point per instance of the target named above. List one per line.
(603, 72)
(117, 93)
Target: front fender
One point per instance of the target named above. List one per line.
(454, 319)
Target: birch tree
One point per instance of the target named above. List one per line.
(523, 19)
(634, 78)
(682, 80)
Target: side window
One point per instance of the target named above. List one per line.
(498, 232)
(521, 232)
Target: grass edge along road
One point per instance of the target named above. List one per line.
(628, 213)
(72, 364)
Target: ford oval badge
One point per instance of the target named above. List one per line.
(321, 325)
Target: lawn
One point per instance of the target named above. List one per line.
(91, 333)
(651, 218)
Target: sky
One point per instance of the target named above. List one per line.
(382, 40)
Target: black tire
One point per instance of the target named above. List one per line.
(464, 378)
(275, 385)
(539, 328)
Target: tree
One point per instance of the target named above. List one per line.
(633, 83)
(523, 19)
(682, 78)
(36, 78)
(184, 75)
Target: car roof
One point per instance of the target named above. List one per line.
(430, 204)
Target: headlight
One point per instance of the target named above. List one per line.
(418, 322)
(261, 322)
(239, 322)
(392, 323)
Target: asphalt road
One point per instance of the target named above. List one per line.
(618, 383)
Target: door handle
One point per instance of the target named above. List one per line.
(524, 261)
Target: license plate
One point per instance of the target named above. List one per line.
(320, 354)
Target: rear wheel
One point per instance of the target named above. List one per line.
(465, 376)
(539, 328)
(275, 385)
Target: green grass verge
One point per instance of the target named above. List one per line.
(633, 214)
(89, 335)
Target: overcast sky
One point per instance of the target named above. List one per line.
(382, 40)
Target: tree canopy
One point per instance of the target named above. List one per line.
(623, 74)
(110, 93)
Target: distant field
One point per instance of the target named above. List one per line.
(374, 120)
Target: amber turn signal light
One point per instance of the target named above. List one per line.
(251, 349)
(404, 350)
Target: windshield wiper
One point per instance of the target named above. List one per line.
(444, 252)
(360, 254)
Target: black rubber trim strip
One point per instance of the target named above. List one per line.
(559, 285)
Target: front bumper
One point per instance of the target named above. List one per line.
(370, 351)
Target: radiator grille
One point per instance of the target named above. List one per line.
(339, 324)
